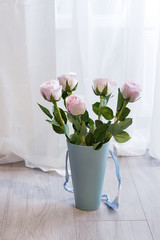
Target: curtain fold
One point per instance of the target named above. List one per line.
(155, 129)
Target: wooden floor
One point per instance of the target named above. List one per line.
(34, 205)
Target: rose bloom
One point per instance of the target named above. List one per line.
(131, 91)
(75, 105)
(71, 78)
(100, 84)
(51, 90)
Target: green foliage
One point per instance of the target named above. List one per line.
(125, 124)
(89, 139)
(120, 100)
(67, 88)
(75, 87)
(122, 137)
(85, 117)
(107, 113)
(66, 131)
(104, 92)
(100, 108)
(46, 111)
(104, 100)
(56, 115)
(63, 115)
(58, 129)
(90, 123)
(53, 122)
(97, 146)
(95, 108)
(64, 94)
(76, 139)
(100, 132)
(98, 123)
(76, 125)
(124, 114)
(117, 128)
(83, 129)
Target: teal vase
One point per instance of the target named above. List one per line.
(88, 170)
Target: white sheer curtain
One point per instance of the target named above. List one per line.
(40, 40)
(155, 128)
(27, 58)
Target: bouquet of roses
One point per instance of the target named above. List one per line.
(86, 131)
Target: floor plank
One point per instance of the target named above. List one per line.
(130, 206)
(146, 174)
(115, 230)
(34, 208)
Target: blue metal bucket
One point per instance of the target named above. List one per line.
(87, 169)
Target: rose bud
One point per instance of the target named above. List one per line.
(131, 91)
(68, 81)
(75, 105)
(100, 85)
(51, 90)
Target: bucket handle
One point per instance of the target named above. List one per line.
(113, 205)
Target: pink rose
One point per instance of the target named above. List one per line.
(75, 105)
(131, 91)
(51, 90)
(71, 78)
(100, 84)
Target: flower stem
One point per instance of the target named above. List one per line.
(62, 122)
(120, 113)
(59, 114)
(99, 115)
(83, 140)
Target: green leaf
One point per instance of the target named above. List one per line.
(92, 129)
(124, 114)
(53, 122)
(97, 146)
(95, 108)
(104, 92)
(66, 131)
(89, 139)
(125, 124)
(58, 129)
(120, 100)
(56, 116)
(100, 132)
(96, 92)
(91, 122)
(83, 129)
(64, 94)
(71, 118)
(75, 87)
(67, 88)
(117, 128)
(122, 137)
(98, 123)
(107, 113)
(114, 129)
(76, 124)
(46, 111)
(85, 117)
(76, 139)
(63, 115)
